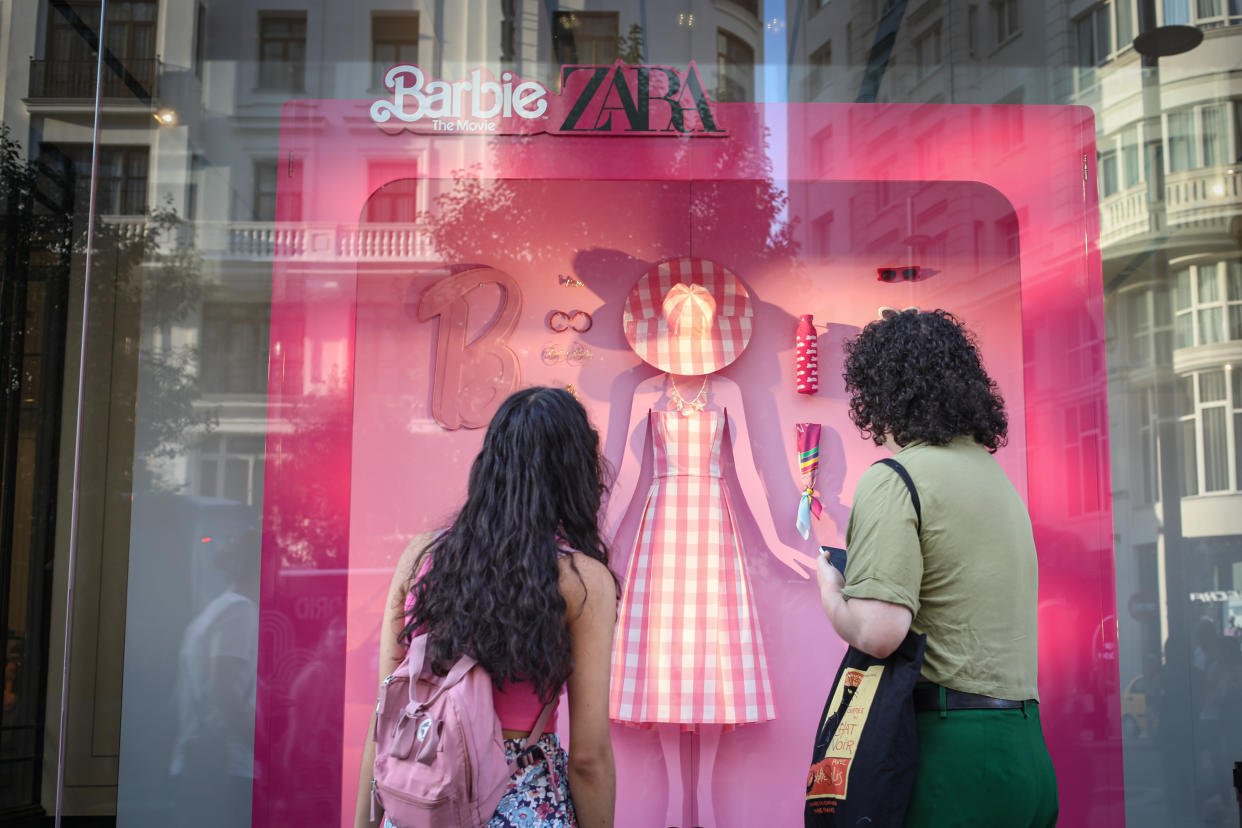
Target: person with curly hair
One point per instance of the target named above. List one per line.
(962, 570)
(520, 581)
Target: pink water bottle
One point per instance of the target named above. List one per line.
(806, 357)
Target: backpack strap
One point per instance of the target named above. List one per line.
(531, 748)
(545, 716)
(914, 492)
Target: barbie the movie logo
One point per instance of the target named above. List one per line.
(472, 105)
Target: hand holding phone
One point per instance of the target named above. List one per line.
(836, 557)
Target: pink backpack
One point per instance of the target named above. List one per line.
(440, 762)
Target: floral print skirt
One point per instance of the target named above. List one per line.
(537, 797)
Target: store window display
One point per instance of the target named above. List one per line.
(689, 649)
(575, 229)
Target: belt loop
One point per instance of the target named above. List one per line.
(944, 701)
(1025, 715)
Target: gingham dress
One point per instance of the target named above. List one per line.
(688, 648)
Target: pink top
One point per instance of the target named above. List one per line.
(517, 704)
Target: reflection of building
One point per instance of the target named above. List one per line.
(1171, 174)
(1170, 188)
(190, 112)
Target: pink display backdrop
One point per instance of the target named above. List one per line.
(995, 202)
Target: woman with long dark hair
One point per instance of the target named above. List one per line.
(520, 582)
(966, 575)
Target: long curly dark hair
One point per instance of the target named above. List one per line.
(918, 375)
(492, 588)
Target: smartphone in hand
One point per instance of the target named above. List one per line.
(836, 557)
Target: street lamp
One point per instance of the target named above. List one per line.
(165, 116)
(1177, 744)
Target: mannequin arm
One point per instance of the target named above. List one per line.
(729, 397)
(630, 464)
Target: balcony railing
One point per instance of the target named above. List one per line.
(1124, 215)
(320, 242)
(298, 241)
(1209, 193)
(1208, 198)
(124, 80)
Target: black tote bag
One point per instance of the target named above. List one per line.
(866, 749)
(867, 746)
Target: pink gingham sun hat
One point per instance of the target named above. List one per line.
(688, 316)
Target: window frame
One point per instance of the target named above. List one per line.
(294, 69)
(1101, 49)
(200, 38)
(1006, 19)
(726, 67)
(383, 28)
(1194, 310)
(216, 449)
(219, 321)
(819, 69)
(559, 50)
(1194, 420)
(1188, 13)
(925, 64)
(1228, 140)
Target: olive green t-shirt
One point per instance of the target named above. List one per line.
(973, 581)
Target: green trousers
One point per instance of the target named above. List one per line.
(983, 769)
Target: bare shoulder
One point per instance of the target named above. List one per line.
(411, 559)
(584, 579)
(412, 555)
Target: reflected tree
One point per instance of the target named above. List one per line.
(157, 274)
(172, 289)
